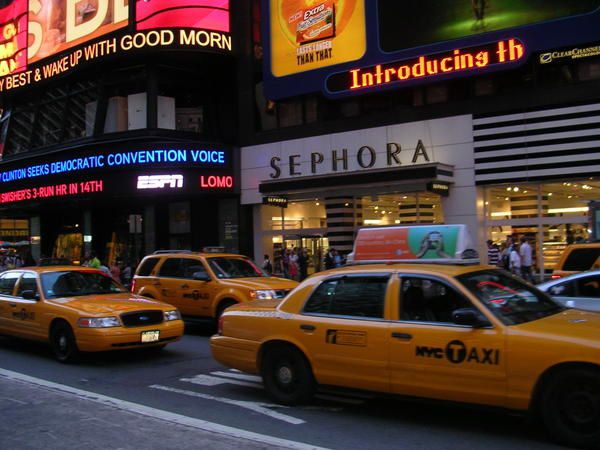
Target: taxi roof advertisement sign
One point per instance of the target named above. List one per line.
(423, 243)
(346, 47)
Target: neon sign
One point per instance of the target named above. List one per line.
(159, 181)
(13, 37)
(117, 159)
(53, 190)
(458, 60)
(216, 182)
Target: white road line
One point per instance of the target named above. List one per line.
(159, 414)
(207, 380)
(258, 407)
(239, 376)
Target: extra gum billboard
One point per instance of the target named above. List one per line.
(345, 47)
(44, 38)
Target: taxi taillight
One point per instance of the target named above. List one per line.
(133, 286)
(555, 277)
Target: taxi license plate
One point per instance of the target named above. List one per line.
(150, 336)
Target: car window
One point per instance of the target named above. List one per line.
(75, 283)
(28, 282)
(508, 297)
(171, 268)
(191, 266)
(8, 281)
(566, 289)
(581, 259)
(234, 268)
(588, 286)
(357, 296)
(147, 266)
(424, 299)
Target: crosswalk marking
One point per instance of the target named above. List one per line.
(258, 407)
(208, 380)
(238, 376)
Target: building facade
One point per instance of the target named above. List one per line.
(118, 126)
(510, 150)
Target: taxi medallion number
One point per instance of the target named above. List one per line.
(150, 336)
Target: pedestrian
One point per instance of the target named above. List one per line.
(493, 253)
(94, 262)
(285, 263)
(338, 260)
(515, 260)
(293, 264)
(303, 264)
(526, 259)
(126, 274)
(115, 271)
(266, 265)
(330, 259)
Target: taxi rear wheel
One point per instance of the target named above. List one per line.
(571, 407)
(287, 375)
(63, 343)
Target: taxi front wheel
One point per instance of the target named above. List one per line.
(287, 375)
(571, 407)
(63, 342)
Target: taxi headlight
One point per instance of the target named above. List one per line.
(98, 322)
(263, 294)
(172, 315)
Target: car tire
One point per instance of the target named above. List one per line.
(287, 375)
(63, 343)
(571, 407)
(221, 309)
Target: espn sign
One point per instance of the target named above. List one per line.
(160, 181)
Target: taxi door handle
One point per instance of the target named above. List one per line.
(184, 286)
(156, 283)
(14, 305)
(308, 327)
(402, 336)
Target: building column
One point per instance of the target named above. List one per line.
(344, 215)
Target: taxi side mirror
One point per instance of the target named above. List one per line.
(469, 317)
(30, 295)
(201, 276)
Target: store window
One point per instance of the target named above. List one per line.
(550, 215)
(401, 209)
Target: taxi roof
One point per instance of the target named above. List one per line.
(451, 270)
(204, 254)
(42, 269)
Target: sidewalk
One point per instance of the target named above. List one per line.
(37, 417)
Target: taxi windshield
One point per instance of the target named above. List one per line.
(74, 283)
(234, 268)
(508, 298)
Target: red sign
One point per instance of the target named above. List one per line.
(13, 38)
(197, 14)
(216, 182)
(54, 190)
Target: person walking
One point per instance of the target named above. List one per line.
(303, 264)
(526, 259)
(94, 262)
(293, 264)
(493, 253)
(515, 260)
(330, 259)
(267, 266)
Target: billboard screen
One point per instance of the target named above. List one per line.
(400, 43)
(41, 39)
(308, 35)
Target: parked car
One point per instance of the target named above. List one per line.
(78, 309)
(577, 258)
(203, 285)
(581, 290)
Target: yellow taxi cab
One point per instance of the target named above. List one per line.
(204, 284)
(77, 309)
(577, 258)
(412, 326)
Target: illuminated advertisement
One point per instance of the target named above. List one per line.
(411, 42)
(182, 169)
(45, 38)
(309, 34)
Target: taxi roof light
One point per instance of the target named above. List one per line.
(425, 244)
(214, 249)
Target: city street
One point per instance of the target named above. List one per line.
(183, 386)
